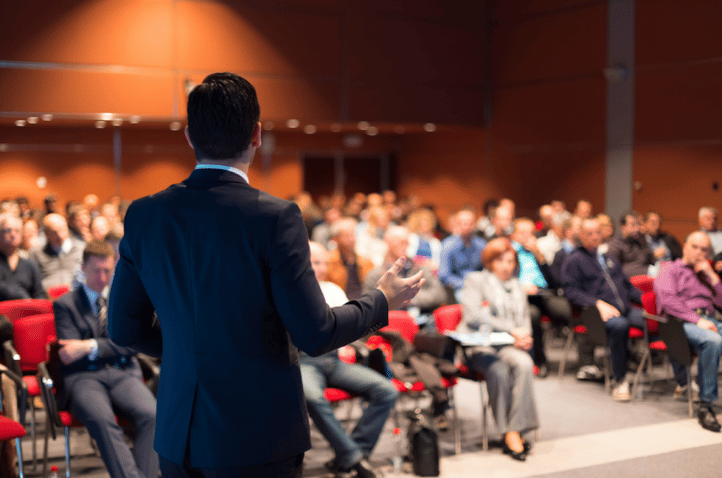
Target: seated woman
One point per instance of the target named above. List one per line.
(508, 369)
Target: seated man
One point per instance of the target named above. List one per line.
(100, 378)
(688, 289)
(19, 278)
(59, 259)
(461, 252)
(664, 245)
(328, 370)
(538, 283)
(631, 249)
(592, 280)
(432, 294)
(707, 217)
(346, 268)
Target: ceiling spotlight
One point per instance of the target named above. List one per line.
(363, 125)
(268, 125)
(335, 128)
(175, 126)
(293, 123)
(429, 127)
(3, 147)
(309, 129)
(372, 131)
(41, 182)
(47, 117)
(100, 124)
(135, 119)
(106, 116)
(117, 121)
(189, 85)
(20, 123)
(33, 120)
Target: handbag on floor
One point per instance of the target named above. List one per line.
(423, 446)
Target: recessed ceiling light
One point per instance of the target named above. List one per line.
(135, 119)
(20, 123)
(100, 124)
(117, 121)
(309, 129)
(293, 123)
(175, 126)
(430, 127)
(47, 117)
(106, 116)
(33, 120)
(363, 125)
(372, 131)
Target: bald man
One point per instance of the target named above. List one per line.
(689, 290)
(60, 257)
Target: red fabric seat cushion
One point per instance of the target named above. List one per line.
(658, 345)
(32, 382)
(336, 395)
(635, 333)
(10, 429)
(580, 329)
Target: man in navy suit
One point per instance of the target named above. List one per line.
(100, 378)
(226, 268)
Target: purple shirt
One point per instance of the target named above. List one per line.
(679, 292)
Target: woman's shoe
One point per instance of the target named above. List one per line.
(527, 447)
(517, 455)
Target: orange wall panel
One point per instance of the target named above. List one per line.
(668, 31)
(559, 112)
(550, 46)
(84, 92)
(679, 103)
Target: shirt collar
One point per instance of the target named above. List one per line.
(223, 167)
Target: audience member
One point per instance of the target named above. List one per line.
(558, 206)
(708, 223)
(593, 280)
(432, 294)
(501, 221)
(91, 203)
(664, 246)
(461, 252)
(424, 248)
(79, 222)
(369, 238)
(31, 237)
(583, 209)
(508, 370)
(51, 204)
(535, 278)
(328, 370)
(347, 269)
(19, 277)
(631, 249)
(24, 205)
(689, 290)
(607, 227)
(546, 216)
(550, 243)
(100, 378)
(322, 232)
(570, 241)
(60, 258)
(484, 227)
(99, 228)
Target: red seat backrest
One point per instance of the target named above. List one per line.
(31, 336)
(643, 283)
(16, 309)
(649, 302)
(448, 317)
(56, 291)
(401, 322)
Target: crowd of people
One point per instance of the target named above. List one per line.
(551, 266)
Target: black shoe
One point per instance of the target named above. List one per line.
(365, 470)
(542, 371)
(527, 447)
(517, 455)
(707, 419)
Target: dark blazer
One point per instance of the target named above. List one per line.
(227, 269)
(74, 319)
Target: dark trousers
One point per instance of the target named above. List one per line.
(287, 468)
(557, 308)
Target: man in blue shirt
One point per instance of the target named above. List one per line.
(461, 252)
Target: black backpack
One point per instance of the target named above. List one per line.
(423, 446)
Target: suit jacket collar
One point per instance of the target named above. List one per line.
(214, 175)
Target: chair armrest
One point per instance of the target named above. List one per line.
(12, 357)
(151, 372)
(47, 394)
(22, 394)
(657, 318)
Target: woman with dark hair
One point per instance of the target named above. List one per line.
(508, 369)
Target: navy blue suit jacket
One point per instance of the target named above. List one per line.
(227, 269)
